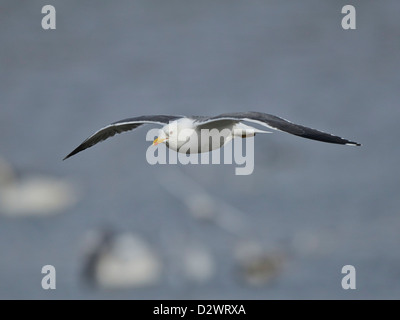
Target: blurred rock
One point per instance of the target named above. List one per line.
(201, 206)
(256, 266)
(198, 264)
(118, 261)
(33, 195)
(7, 175)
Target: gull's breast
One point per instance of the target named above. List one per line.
(204, 140)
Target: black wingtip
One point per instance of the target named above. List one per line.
(79, 149)
(66, 157)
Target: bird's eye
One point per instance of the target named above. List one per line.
(171, 132)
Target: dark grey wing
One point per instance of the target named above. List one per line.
(280, 124)
(118, 127)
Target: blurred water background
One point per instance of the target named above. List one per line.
(284, 232)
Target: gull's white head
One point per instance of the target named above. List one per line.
(165, 134)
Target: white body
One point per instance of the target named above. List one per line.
(185, 136)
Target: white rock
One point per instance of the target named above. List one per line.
(33, 195)
(36, 196)
(125, 261)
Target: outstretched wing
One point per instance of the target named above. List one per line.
(280, 124)
(118, 127)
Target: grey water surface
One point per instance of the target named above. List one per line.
(283, 232)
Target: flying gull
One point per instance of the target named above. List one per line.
(182, 134)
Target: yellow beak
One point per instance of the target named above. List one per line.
(158, 141)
